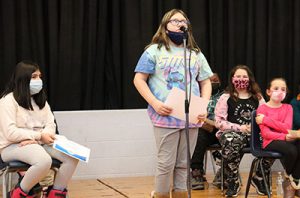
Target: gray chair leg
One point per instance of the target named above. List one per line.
(213, 163)
(240, 178)
(9, 182)
(4, 184)
(205, 162)
(222, 175)
(270, 181)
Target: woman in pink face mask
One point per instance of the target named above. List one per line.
(275, 120)
(233, 117)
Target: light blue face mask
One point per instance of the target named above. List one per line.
(35, 86)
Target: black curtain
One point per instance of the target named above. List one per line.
(88, 49)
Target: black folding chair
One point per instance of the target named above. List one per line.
(8, 168)
(259, 153)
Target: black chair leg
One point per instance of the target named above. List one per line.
(254, 162)
(264, 177)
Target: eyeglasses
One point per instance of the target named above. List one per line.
(179, 22)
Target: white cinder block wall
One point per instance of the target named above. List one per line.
(121, 142)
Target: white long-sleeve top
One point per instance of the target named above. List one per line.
(18, 124)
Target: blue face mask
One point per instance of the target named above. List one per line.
(35, 86)
(176, 37)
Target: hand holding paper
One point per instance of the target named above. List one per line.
(202, 117)
(161, 108)
(62, 144)
(198, 105)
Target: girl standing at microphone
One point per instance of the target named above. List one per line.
(160, 68)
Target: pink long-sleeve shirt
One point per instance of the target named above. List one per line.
(276, 122)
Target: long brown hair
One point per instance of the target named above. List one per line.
(161, 38)
(253, 87)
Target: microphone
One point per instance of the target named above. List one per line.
(184, 29)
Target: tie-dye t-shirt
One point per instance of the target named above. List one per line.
(166, 70)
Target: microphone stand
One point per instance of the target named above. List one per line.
(186, 107)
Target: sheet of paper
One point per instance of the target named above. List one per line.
(73, 149)
(295, 133)
(176, 99)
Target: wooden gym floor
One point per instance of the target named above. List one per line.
(140, 187)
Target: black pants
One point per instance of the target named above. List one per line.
(291, 155)
(204, 140)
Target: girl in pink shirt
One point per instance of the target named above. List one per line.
(275, 120)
